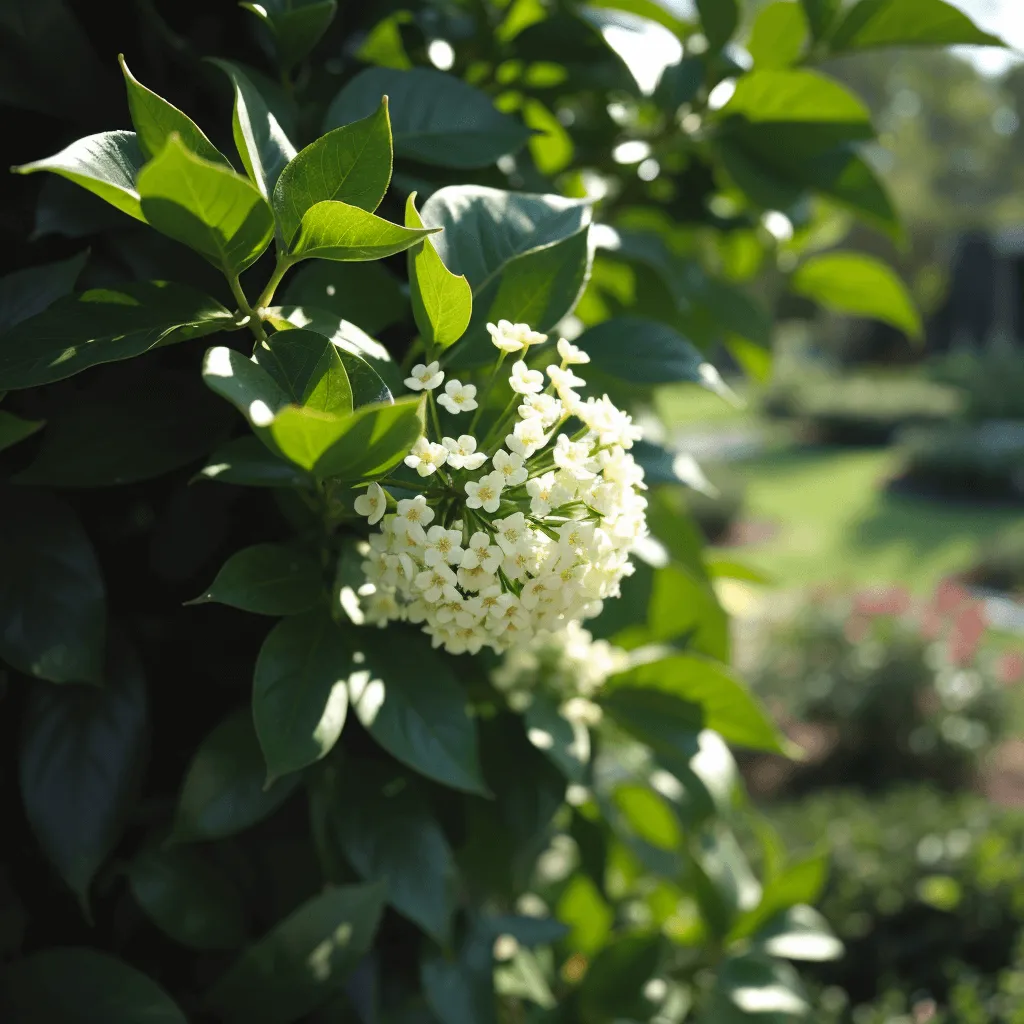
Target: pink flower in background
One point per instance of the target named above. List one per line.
(968, 629)
(949, 596)
(856, 628)
(1010, 668)
(893, 600)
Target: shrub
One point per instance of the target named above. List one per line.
(1000, 564)
(992, 382)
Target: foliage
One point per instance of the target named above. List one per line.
(1000, 563)
(993, 382)
(380, 822)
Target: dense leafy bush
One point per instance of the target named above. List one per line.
(1000, 564)
(992, 382)
(324, 820)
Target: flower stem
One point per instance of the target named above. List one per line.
(499, 423)
(482, 399)
(282, 267)
(255, 323)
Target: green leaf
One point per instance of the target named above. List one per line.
(582, 907)
(860, 285)
(387, 832)
(873, 23)
(155, 121)
(223, 792)
(302, 961)
(351, 164)
(755, 988)
(566, 743)
(206, 206)
(104, 325)
(799, 933)
(801, 882)
(408, 698)
(645, 47)
(802, 96)
(820, 15)
(337, 231)
(53, 603)
(719, 19)
(649, 815)
(299, 698)
(365, 293)
(779, 35)
(261, 142)
(442, 302)
(244, 383)
(188, 899)
(268, 579)
(106, 164)
(662, 720)
(435, 118)
(309, 369)
(83, 986)
(612, 987)
(459, 989)
(80, 766)
(374, 439)
(729, 707)
(247, 462)
(28, 292)
(684, 608)
(14, 429)
(296, 29)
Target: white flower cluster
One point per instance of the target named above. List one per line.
(517, 534)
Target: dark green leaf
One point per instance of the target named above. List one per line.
(268, 579)
(80, 766)
(365, 293)
(779, 35)
(407, 696)
(247, 462)
(442, 302)
(52, 598)
(367, 386)
(244, 383)
(799, 933)
(872, 23)
(860, 285)
(613, 984)
(207, 206)
(435, 118)
(102, 326)
(299, 698)
(296, 29)
(14, 429)
(529, 931)
(302, 961)
(351, 164)
(259, 138)
(755, 988)
(223, 791)
(188, 899)
(719, 19)
(83, 986)
(664, 721)
(28, 292)
(680, 83)
(337, 231)
(459, 988)
(565, 742)
(645, 47)
(820, 15)
(107, 164)
(308, 368)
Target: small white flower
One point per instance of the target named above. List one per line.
(510, 466)
(415, 510)
(485, 493)
(525, 381)
(425, 377)
(458, 397)
(509, 337)
(372, 504)
(442, 546)
(570, 353)
(426, 456)
(539, 489)
(512, 533)
(481, 553)
(433, 581)
(462, 453)
(544, 407)
(526, 438)
(573, 457)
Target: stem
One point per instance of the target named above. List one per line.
(499, 423)
(434, 415)
(282, 267)
(255, 322)
(482, 399)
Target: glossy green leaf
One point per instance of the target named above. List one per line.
(73, 985)
(14, 429)
(296, 29)
(337, 231)
(408, 698)
(302, 961)
(224, 790)
(365, 293)
(366, 444)
(799, 933)
(247, 462)
(664, 721)
(244, 383)
(728, 706)
(368, 388)
(645, 47)
(206, 206)
(268, 579)
(28, 292)
(755, 989)
(719, 19)
(155, 120)
(299, 697)
(873, 23)
(684, 608)
(799, 95)
(800, 882)
(188, 899)
(308, 369)
(859, 285)
(821, 14)
(80, 766)
(351, 164)
(52, 597)
(261, 142)
(106, 164)
(779, 35)
(442, 302)
(435, 117)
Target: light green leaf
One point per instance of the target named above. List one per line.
(442, 302)
(75, 985)
(206, 206)
(719, 19)
(799, 933)
(649, 815)
(247, 462)
(299, 697)
(14, 429)
(801, 882)
(337, 231)
(296, 29)
(755, 988)
(28, 292)
(244, 383)
(308, 369)
(106, 164)
(802, 96)
(860, 285)
(351, 164)
(779, 35)
(873, 23)
(435, 117)
(582, 907)
(268, 579)
(155, 121)
(259, 138)
(683, 608)
(224, 790)
(365, 293)
(302, 961)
